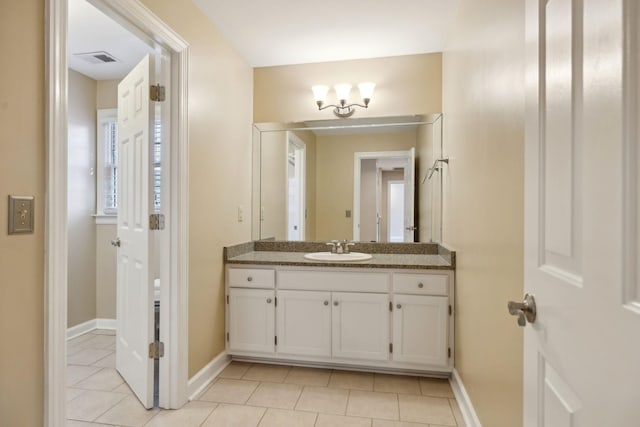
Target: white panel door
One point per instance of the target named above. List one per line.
(303, 320)
(135, 307)
(251, 320)
(420, 329)
(409, 197)
(360, 326)
(582, 353)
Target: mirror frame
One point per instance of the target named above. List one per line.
(367, 123)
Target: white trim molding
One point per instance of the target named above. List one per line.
(90, 325)
(206, 375)
(464, 402)
(174, 373)
(55, 222)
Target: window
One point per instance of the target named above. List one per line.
(107, 163)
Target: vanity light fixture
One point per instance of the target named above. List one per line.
(343, 109)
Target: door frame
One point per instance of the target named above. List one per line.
(174, 370)
(301, 171)
(357, 171)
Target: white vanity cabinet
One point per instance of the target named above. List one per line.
(420, 317)
(304, 323)
(372, 318)
(360, 326)
(251, 311)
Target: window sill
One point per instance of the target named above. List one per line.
(102, 219)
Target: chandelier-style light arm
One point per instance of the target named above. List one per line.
(342, 90)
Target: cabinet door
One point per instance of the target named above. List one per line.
(251, 320)
(360, 326)
(420, 329)
(304, 323)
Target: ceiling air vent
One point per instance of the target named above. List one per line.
(97, 57)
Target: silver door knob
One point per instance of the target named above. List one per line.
(116, 242)
(249, 279)
(525, 310)
(411, 228)
(399, 306)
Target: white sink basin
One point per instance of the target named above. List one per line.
(328, 256)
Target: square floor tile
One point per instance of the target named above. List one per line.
(106, 379)
(229, 391)
(99, 341)
(436, 387)
(77, 373)
(456, 413)
(128, 412)
(269, 373)
(190, 415)
(108, 361)
(373, 405)
(323, 399)
(308, 376)
(104, 332)
(351, 380)
(74, 423)
(396, 384)
(387, 423)
(426, 409)
(235, 416)
(275, 395)
(87, 356)
(235, 370)
(72, 393)
(90, 405)
(286, 418)
(328, 420)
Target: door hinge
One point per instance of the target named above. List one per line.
(156, 222)
(275, 302)
(156, 350)
(390, 306)
(390, 347)
(449, 352)
(227, 336)
(157, 93)
(227, 299)
(450, 310)
(275, 340)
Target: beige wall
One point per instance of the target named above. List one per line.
(106, 254)
(409, 84)
(334, 177)
(483, 102)
(22, 172)
(220, 117)
(81, 200)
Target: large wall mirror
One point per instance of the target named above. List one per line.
(373, 180)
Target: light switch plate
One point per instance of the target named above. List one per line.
(21, 214)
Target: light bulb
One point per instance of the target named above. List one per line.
(320, 92)
(366, 89)
(342, 91)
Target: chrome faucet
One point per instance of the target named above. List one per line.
(335, 244)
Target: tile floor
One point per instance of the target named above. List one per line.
(246, 395)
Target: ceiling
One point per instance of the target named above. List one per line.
(278, 32)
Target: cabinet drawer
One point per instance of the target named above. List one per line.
(420, 284)
(333, 281)
(251, 278)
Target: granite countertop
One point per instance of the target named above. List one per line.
(426, 256)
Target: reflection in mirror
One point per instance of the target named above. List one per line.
(358, 179)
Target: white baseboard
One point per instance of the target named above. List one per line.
(464, 402)
(203, 378)
(106, 324)
(89, 326)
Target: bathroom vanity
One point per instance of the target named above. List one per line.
(391, 312)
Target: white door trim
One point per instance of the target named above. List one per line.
(174, 296)
(357, 170)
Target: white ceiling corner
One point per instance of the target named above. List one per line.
(280, 32)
